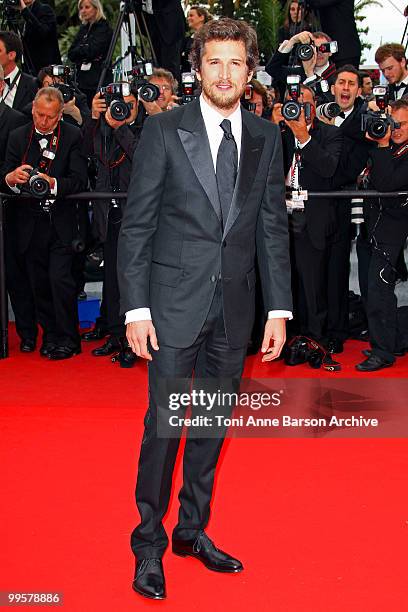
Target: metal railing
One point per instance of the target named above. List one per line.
(90, 195)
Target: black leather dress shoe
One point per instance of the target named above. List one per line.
(27, 345)
(94, 334)
(373, 363)
(46, 348)
(149, 579)
(334, 345)
(112, 345)
(63, 352)
(203, 549)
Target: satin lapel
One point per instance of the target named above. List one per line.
(194, 139)
(251, 151)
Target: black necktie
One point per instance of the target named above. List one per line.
(342, 115)
(7, 82)
(227, 166)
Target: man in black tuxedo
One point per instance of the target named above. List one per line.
(40, 38)
(206, 196)
(47, 227)
(18, 285)
(387, 230)
(311, 153)
(166, 24)
(393, 64)
(20, 88)
(337, 19)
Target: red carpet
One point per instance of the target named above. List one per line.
(320, 524)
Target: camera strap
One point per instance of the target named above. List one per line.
(48, 154)
(12, 84)
(402, 150)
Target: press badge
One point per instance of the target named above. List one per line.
(85, 67)
(48, 154)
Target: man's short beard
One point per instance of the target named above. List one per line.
(225, 102)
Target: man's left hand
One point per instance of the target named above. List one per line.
(49, 179)
(112, 122)
(299, 127)
(382, 142)
(274, 338)
(22, 6)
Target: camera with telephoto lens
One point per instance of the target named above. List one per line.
(148, 92)
(329, 110)
(376, 123)
(113, 95)
(292, 108)
(36, 185)
(187, 87)
(305, 52)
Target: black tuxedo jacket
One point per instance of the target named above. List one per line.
(10, 119)
(393, 93)
(319, 159)
(40, 37)
(68, 167)
(172, 250)
(337, 20)
(26, 90)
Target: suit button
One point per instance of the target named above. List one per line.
(213, 278)
(224, 244)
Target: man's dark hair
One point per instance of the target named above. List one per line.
(225, 29)
(390, 50)
(401, 104)
(261, 90)
(353, 70)
(12, 42)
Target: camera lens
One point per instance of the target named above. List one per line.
(305, 52)
(39, 187)
(119, 110)
(329, 110)
(378, 128)
(291, 110)
(149, 92)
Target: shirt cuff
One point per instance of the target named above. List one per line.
(138, 314)
(15, 189)
(303, 144)
(280, 314)
(310, 80)
(285, 47)
(53, 191)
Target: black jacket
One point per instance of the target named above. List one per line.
(108, 146)
(26, 90)
(40, 37)
(68, 167)
(172, 248)
(10, 119)
(319, 159)
(90, 45)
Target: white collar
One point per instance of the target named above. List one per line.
(12, 75)
(213, 118)
(320, 70)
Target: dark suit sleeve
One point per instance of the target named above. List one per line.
(141, 215)
(386, 173)
(127, 139)
(272, 238)
(319, 4)
(75, 179)
(323, 157)
(277, 67)
(12, 159)
(43, 27)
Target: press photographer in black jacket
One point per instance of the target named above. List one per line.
(40, 38)
(89, 47)
(112, 142)
(387, 229)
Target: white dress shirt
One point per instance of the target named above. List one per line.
(339, 120)
(400, 92)
(212, 119)
(10, 94)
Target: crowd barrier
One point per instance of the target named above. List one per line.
(121, 196)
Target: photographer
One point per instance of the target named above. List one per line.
(90, 46)
(311, 152)
(40, 39)
(44, 160)
(167, 84)
(312, 72)
(393, 64)
(256, 99)
(20, 88)
(387, 229)
(112, 141)
(76, 108)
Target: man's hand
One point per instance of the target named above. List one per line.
(49, 179)
(152, 108)
(98, 106)
(299, 127)
(70, 108)
(22, 6)
(137, 334)
(326, 120)
(274, 338)
(309, 65)
(277, 116)
(304, 38)
(112, 122)
(382, 142)
(19, 176)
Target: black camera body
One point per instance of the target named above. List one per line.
(305, 52)
(113, 95)
(66, 88)
(247, 97)
(376, 123)
(187, 87)
(292, 108)
(68, 91)
(36, 185)
(148, 92)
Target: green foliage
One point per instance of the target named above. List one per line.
(359, 6)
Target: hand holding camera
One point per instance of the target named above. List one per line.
(98, 105)
(113, 123)
(19, 176)
(378, 124)
(36, 183)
